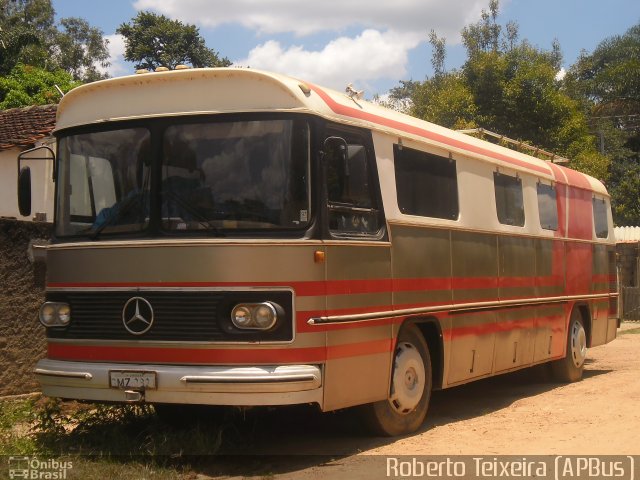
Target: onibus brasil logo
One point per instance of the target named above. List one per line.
(38, 469)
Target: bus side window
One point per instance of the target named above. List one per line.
(600, 217)
(426, 184)
(351, 201)
(547, 206)
(509, 199)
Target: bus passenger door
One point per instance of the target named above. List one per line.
(358, 273)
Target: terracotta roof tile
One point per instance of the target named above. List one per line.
(22, 127)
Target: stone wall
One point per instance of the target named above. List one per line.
(22, 338)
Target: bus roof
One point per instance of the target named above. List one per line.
(235, 90)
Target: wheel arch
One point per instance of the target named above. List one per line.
(431, 331)
(585, 314)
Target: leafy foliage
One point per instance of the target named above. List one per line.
(29, 35)
(27, 85)
(609, 77)
(153, 41)
(607, 83)
(80, 48)
(508, 86)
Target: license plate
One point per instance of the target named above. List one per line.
(125, 380)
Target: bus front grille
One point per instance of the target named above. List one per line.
(177, 316)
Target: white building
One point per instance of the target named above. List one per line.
(21, 129)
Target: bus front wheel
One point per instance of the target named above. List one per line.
(570, 368)
(410, 391)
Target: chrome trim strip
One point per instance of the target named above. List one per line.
(250, 379)
(186, 242)
(363, 317)
(62, 374)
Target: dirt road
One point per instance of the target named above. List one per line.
(515, 414)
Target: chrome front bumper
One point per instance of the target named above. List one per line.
(206, 385)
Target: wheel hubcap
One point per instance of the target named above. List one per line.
(408, 380)
(578, 344)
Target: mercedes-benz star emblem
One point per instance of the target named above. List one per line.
(137, 315)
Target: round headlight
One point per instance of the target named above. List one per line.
(265, 316)
(64, 314)
(47, 313)
(241, 316)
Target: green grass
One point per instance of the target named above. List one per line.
(104, 441)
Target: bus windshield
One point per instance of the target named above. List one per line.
(213, 176)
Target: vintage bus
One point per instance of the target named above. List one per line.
(237, 237)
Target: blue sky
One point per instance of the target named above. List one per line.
(369, 43)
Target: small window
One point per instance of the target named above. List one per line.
(547, 207)
(509, 201)
(426, 184)
(600, 218)
(352, 204)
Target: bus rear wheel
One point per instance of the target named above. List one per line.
(410, 390)
(570, 368)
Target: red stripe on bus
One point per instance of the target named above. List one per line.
(273, 355)
(185, 355)
(508, 326)
(576, 178)
(217, 356)
(421, 132)
(472, 283)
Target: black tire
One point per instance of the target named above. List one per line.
(569, 369)
(405, 409)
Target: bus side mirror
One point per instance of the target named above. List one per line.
(24, 175)
(24, 191)
(336, 146)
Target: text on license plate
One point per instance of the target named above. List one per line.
(126, 379)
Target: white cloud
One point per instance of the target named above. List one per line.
(303, 18)
(118, 66)
(369, 56)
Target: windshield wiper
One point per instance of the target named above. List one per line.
(190, 209)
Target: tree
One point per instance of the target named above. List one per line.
(445, 100)
(27, 85)
(80, 48)
(607, 83)
(508, 86)
(26, 28)
(30, 36)
(153, 41)
(608, 79)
